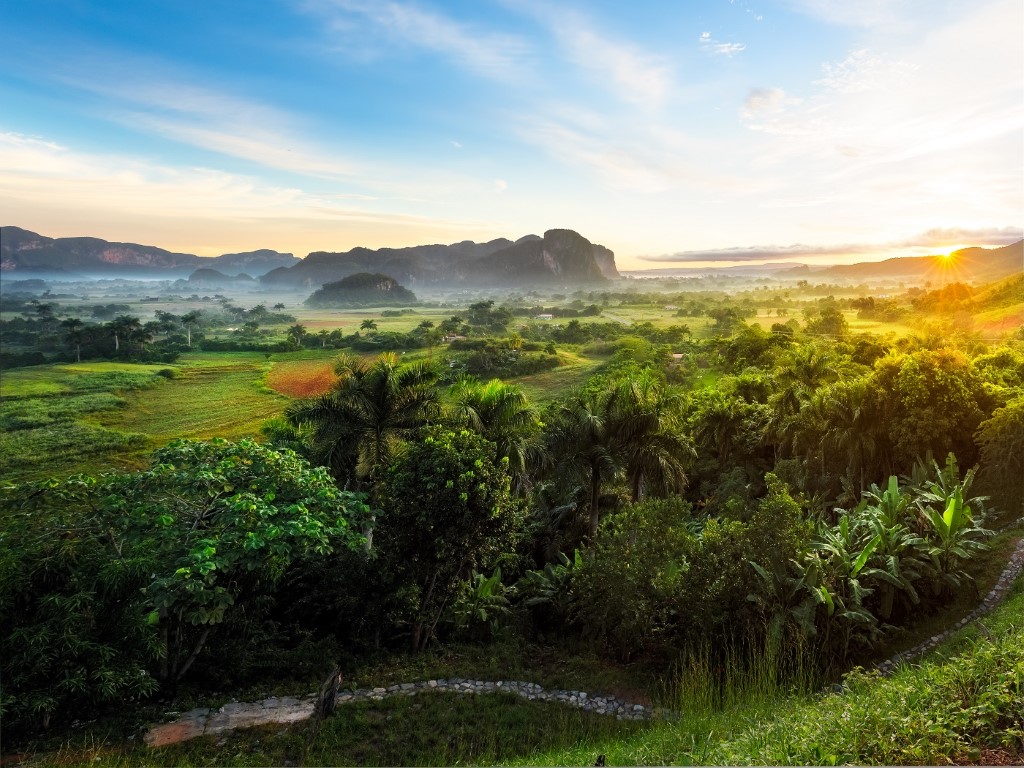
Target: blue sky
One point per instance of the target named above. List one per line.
(675, 133)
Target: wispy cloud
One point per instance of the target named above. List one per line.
(761, 101)
(862, 13)
(636, 76)
(933, 238)
(143, 96)
(708, 43)
(631, 72)
(481, 51)
(36, 170)
(862, 71)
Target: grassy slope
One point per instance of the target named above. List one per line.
(961, 703)
(964, 699)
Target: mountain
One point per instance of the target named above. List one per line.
(561, 256)
(967, 265)
(251, 262)
(212, 278)
(22, 251)
(363, 289)
(419, 264)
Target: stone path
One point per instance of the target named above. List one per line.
(203, 722)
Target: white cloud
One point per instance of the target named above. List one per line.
(862, 71)
(35, 171)
(500, 185)
(760, 101)
(716, 48)
(156, 102)
(637, 76)
(728, 49)
(456, 144)
(495, 55)
(860, 13)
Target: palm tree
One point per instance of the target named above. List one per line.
(625, 429)
(368, 325)
(803, 371)
(123, 326)
(75, 334)
(581, 442)
(362, 421)
(656, 452)
(852, 425)
(298, 333)
(501, 413)
(359, 426)
(188, 320)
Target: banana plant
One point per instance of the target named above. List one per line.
(899, 560)
(845, 550)
(481, 600)
(954, 537)
(551, 586)
(787, 598)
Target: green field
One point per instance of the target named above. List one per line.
(59, 419)
(549, 385)
(214, 395)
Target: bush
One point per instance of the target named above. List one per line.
(448, 511)
(112, 583)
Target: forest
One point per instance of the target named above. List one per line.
(657, 478)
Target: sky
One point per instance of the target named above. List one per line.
(675, 133)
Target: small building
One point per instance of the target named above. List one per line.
(544, 316)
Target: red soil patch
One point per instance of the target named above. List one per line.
(302, 378)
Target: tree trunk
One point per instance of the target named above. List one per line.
(78, 352)
(595, 497)
(192, 656)
(117, 342)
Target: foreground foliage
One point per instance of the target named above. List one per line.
(113, 583)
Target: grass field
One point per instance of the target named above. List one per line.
(59, 419)
(549, 385)
(213, 396)
(48, 416)
(960, 704)
(1000, 321)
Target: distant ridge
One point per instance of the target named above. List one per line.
(22, 250)
(561, 256)
(966, 265)
(980, 265)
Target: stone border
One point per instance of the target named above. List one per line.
(204, 722)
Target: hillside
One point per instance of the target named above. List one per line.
(23, 251)
(967, 265)
(561, 256)
(363, 289)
